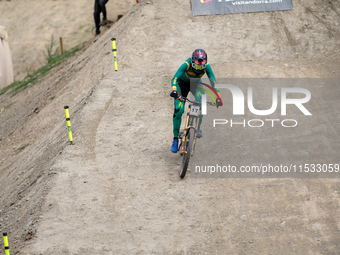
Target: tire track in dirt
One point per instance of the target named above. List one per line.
(95, 112)
(292, 41)
(332, 32)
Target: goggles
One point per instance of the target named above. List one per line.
(198, 66)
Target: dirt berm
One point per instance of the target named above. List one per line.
(118, 191)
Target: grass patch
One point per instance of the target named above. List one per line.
(52, 59)
(50, 53)
(16, 151)
(8, 106)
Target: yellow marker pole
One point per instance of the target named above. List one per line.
(114, 50)
(68, 124)
(6, 243)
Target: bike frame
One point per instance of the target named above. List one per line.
(190, 123)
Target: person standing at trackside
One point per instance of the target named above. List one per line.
(99, 6)
(191, 70)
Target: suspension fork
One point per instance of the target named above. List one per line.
(186, 129)
(196, 131)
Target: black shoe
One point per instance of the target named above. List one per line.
(97, 32)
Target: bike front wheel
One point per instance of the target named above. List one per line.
(186, 157)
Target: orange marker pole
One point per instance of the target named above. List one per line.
(61, 45)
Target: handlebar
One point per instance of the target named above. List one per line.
(194, 102)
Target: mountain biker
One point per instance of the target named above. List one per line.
(191, 70)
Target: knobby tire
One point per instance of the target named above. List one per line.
(186, 157)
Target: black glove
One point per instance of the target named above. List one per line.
(174, 94)
(218, 103)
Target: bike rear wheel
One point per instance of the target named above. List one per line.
(186, 156)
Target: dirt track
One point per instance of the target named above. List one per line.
(117, 190)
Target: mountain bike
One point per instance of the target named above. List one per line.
(188, 136)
